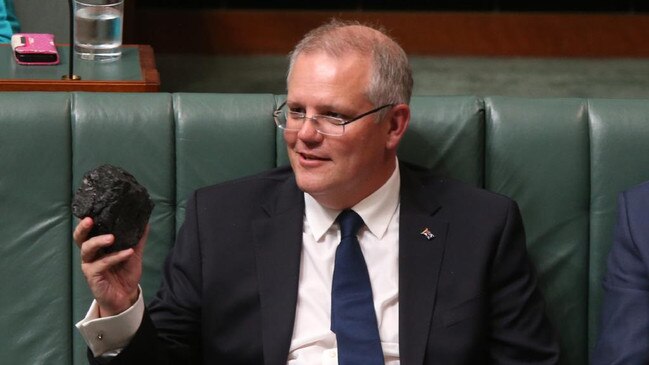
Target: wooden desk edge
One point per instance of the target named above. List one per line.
(80, 85)
(148, 66)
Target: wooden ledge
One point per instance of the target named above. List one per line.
(422, 33)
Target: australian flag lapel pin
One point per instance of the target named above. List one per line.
(428, 234)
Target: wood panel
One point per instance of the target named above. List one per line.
(425, 33)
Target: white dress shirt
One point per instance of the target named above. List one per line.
(312, 342)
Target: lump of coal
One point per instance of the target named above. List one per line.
(116, 202)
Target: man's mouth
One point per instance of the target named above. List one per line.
(310, 157)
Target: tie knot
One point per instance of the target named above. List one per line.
(350, 222)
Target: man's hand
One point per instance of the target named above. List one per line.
(113, 278)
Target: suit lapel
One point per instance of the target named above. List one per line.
(420, 260)
(278, 245)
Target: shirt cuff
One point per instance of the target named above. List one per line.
(111, 333)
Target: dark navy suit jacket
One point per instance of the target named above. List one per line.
(229, 290)
(624, 330)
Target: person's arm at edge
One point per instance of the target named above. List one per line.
(8, 22)
(624, 328)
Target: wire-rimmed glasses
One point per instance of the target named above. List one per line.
(293, 121)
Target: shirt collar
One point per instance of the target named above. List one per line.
(376, 210)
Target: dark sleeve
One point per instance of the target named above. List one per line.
(624, 329)
(520, 330)
(170, 329)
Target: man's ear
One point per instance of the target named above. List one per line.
(399, 120)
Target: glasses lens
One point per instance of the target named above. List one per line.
(293, 121)
(330, 126)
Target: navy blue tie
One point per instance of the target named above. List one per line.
(353, 319)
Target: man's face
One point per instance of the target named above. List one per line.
(338, 171)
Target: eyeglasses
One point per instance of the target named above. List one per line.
(293, 121)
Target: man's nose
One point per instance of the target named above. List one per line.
(309, 131)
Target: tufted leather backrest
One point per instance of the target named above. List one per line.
(562, 160)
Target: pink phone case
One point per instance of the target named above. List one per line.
(34, 49)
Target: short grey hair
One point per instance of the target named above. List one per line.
(391, 80)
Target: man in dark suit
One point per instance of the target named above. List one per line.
(624, 329)
(255, 275)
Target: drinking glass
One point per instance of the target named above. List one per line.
(98, 29)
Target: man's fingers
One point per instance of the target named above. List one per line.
(106, 262)
(81, 231)
(91, 247)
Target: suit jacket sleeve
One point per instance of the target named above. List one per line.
(521, 332)
(624, 329)
(170, 329)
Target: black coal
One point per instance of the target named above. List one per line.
(116, 202)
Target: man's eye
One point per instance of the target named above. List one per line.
(296, 110)
(295, 115)
(334, 115)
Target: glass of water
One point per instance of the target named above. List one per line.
(98, 29)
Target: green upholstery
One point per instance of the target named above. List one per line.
(240, 139)
(537, 153)
(35, 181)
(563, 160)
(447, 134)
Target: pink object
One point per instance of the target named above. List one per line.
(34, 49)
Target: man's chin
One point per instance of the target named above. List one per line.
(311, 183)
(312, 188)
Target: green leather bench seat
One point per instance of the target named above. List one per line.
(563, 160)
